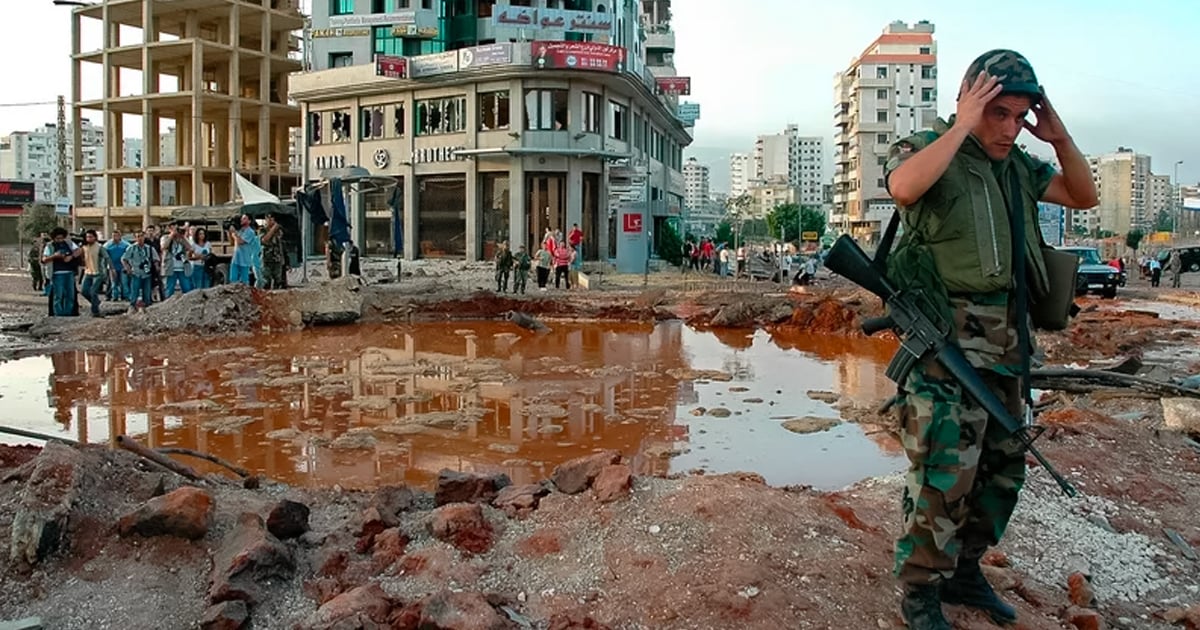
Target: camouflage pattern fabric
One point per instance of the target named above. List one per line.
(1009, 66)
(504, 263)
(965, 472)
(273, 262)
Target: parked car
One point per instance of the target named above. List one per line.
(1095, 276)
(1188, 256)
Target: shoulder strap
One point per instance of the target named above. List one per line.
(885, 243)
(1021, 279)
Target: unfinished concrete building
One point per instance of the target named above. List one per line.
(215, 71)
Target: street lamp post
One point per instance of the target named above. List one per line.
(1177, 201)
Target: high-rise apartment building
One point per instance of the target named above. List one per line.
(741, 173)
(796, 158)
(886, 93)
(1122, 179)
(216, 71)
(32, 156)
(1160, 198)
(695, 185)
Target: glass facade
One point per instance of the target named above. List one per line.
(341, 7)
(442, 216)
(494, 205)
(377, 224)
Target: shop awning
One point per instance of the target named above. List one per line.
(519, 151)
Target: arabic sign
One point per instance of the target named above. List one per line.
(319, 33)
(688, 113)
(578, 56)
(391, 67)
(16, 193)
(632, 222)
(373, 19)
(677, 86)
(554, 19)
(486, 55)
(62, 206)
(429, 65)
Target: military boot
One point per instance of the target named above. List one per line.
(922, 608)
(970, 588)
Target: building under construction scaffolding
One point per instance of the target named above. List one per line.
(215, 71)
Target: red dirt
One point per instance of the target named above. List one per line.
(13, 456)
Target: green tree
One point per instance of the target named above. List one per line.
(669, 245)
(1134, 239)
(783, 219)
(725, 232)
(1164, 222)
(35, 219)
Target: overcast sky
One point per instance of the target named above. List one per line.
(1120, 72)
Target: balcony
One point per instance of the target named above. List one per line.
(660, 40)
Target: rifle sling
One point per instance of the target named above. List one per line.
(1016, 212)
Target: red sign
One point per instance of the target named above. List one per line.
(391, 67)
(15, 193)
(633, 222)
(677, 86)
(578, 56)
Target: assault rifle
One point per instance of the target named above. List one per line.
(922, 336)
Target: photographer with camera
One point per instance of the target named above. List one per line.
(245, 249)
(176, 262)
(138, 262)
(61, 254)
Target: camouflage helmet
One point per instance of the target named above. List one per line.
(1012, 69)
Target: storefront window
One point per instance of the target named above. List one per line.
(339, 126)
(398, 120)
(591, 112)
(378, 227)
(442, 216)
(314, 127)
(493, 201)
(371, 121)
(591, 216)
(547, 197)
(618, 121)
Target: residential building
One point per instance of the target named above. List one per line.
(504, 132)
(32, 156)
(216, 71)
(1082, 221)
(133, 156)
(765, 195)
(741, 173)
(695, 185)
(1122, 179)
(1160, 198)
(886, 93)
(798, 158)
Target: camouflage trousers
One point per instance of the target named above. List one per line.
(520, 278)
(273, 276)
(965, 473)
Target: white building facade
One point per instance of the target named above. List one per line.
(888, 92)
(741, 173)
(32, 156)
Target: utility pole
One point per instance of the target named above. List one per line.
(60, 188)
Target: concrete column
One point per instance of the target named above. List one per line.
(412, 247)
(149, 121)
(264, 112)
(473, 243)
(517, 212)
(574, 195)
(235, 108)
(195, 119)
(602, 234)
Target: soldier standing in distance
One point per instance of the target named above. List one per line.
(952, 187)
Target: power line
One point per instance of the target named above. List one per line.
(31, 104)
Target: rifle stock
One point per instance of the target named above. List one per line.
(921, 338)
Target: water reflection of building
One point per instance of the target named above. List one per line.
(432, 398)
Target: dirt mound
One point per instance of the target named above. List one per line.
(1100, 332)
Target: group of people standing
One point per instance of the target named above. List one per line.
(554, 253)
(150, 267)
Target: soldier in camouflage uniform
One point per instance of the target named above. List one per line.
(504, 265)
(521, 265)
(274, 259)
(952, 187)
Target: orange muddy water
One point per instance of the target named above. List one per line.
(367, 405)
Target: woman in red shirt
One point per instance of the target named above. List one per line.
(563, 255)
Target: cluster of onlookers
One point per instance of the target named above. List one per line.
(149, 267)
(555, 253)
